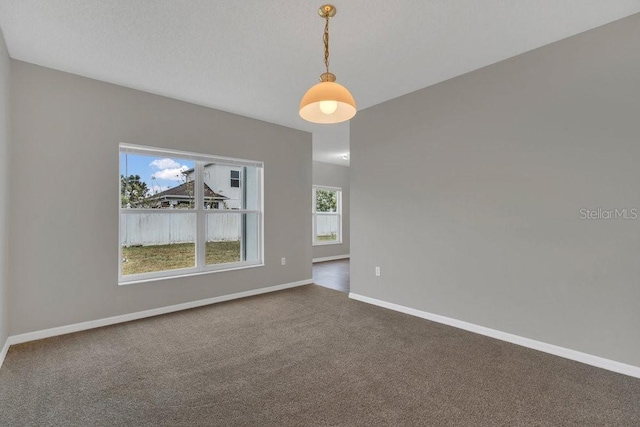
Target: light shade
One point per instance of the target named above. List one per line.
(327, 91)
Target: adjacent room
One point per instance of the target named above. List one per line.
(280, 214)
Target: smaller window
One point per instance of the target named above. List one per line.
(235, 179)
(327, 215)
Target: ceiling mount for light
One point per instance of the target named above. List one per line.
(327, 101)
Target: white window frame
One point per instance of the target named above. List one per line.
(338, 213)
(200, 160)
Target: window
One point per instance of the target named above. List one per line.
(235, 179)
(180, 214)
(327, 215)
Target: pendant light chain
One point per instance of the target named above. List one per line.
(325, 38)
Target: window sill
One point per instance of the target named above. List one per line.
(180, 276)
(326, 243)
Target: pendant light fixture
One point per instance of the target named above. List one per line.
(327, 101)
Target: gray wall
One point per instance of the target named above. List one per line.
(494, 168)
(65, 135)
(4, 189)
(334, 176)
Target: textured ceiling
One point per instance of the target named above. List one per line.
(257, 57)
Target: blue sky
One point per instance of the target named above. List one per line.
(160, 173)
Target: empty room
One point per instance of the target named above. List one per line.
(363, 213)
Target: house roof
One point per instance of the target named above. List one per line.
(186, 190)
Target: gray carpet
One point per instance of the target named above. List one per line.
(305, 356)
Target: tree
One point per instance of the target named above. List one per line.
(326, 201)
(133, 191)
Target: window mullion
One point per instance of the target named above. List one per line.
(200, 215)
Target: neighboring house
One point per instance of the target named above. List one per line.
(183, 195)
(225, 181)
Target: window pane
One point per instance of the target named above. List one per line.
(156, 182)
(230, 187)
(327, 228)
(157, 242)
(224, 233)
(221, 192)
(251, 246)
(326, 201)
(232, 237)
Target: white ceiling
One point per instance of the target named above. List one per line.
(257, 57)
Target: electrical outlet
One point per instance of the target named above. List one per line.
(283, 261)
(378, 271)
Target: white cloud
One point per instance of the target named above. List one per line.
(165, 164)
(171, 174)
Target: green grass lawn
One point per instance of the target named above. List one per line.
(327, 238)
(145, 259)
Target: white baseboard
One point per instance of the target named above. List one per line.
(589, 359)
(3, 352)
(331, 258)
(76, 327)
